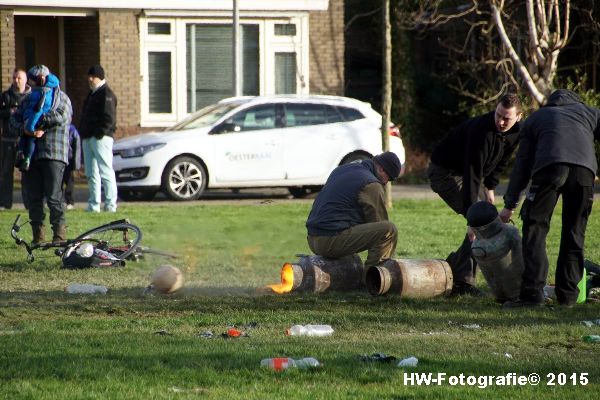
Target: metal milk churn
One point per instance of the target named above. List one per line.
(312, 273)
(497, 249)
(410, 278)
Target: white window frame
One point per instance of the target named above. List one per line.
(158, 43)
(269, 44)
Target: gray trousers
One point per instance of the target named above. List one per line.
(379, 238)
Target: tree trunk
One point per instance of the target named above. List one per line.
(386, 92)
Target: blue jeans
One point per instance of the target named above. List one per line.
(97, 157)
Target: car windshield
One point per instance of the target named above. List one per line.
(206, 116)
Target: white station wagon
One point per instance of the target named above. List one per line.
(248, 142)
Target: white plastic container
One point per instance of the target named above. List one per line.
(77, 288)
(309, 330)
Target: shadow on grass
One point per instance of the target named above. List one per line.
(246, 303)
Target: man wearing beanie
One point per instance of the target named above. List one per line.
(349, 214)
(96, 128)
(44, 177)
(465, 166)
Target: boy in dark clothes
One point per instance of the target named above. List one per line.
(68, 182)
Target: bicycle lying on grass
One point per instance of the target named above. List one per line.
(108, 245)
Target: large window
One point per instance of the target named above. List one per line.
(187, 62)
(209, 62)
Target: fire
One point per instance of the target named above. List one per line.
(287, 280)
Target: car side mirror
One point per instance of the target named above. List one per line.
(226, 127)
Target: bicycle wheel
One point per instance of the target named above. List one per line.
(119, 238)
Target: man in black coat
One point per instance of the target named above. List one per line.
(557, 154)
(96, 128)
(10, 100)
(466, 165)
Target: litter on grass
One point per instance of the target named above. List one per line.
(377, 357)
(409, 362)
(591, 323)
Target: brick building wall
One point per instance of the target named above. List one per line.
(7, 48)
(327, 50)
(119, 42)
(81, 51)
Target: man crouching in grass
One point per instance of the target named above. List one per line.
(349, 213)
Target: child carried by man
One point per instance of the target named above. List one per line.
(44, 86)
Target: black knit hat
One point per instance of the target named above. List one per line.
(97, 71)
(390, 163)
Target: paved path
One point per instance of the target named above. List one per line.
(255, 196)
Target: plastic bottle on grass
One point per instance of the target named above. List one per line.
(309, 330)
(591, 338)
(281, 363)
(75, 288)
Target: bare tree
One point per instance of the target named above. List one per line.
(502, 43)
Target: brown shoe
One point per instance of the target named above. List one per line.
(60, 233)
(38, 233)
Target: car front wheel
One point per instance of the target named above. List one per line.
(184, 178)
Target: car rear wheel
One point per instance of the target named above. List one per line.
(184, 179)
(136, 195)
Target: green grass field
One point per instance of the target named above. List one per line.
(61, 346)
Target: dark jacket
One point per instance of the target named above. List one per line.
(476, 151)
(74, 148)
(562, 131)
(337, 207)
(99, 117)
(10, 99)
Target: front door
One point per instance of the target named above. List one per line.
(37, 42)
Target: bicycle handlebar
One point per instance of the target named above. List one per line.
(20, 242)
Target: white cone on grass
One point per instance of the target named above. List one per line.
(167, 279)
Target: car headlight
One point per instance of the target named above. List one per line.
(139, 151)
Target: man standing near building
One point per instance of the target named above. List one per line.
(466, 165)
(557, 154)
(349, 214)
(44, 177)
(9, 102)
(97, 127)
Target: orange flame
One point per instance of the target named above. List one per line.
(287, 280)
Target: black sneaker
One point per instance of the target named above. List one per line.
(464, 289)
(521, 304)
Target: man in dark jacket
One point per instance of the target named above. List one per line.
(44, 177)
(10, 100)
(349, 214)
(466, 165)
(97, 127)
(557, 154)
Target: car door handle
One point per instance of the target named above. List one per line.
(271, 143)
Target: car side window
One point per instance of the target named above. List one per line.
(304, 114)
(255, 118)
(333, 115)
(350, 114)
